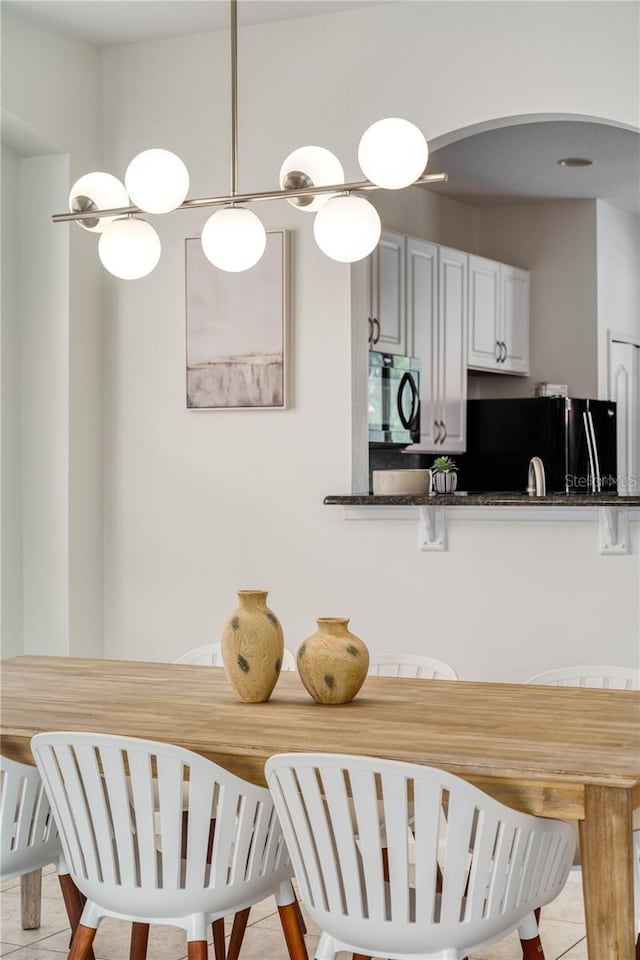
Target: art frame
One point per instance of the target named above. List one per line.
(237, 330)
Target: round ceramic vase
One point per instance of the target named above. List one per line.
(252, 647)
(445, 482)
(333, 662)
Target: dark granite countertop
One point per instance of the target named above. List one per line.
(485, 500)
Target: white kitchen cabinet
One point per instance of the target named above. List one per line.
(498, 317)
(438, 314)
(514, 319)
(484, 314)
(422, 312)
(453, 269)
(387, 295)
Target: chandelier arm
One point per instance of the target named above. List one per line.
(234, 96)
(196, 203)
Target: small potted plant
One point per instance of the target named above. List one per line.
(445, 475)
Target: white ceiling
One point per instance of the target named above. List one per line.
(520, 163)
(512, 163)
(105, 22)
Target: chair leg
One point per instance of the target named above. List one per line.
(139, 941)
(197, 950)
(237, 933)
(73, 899)
(81, 945)
(294, 938)
(532, 949)
(296, 903)
(73, 903)
(31, 899)
(218, 939)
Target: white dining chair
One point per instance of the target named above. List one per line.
(605, 677)
(598, 677)
(231, 855)
(411, 666)
(210, 654)
(481, 869)
(29, 839)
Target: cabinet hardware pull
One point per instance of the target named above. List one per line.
(504, 352)
(376, 326)
(370, 330)
(498, 351)
(444, 427)
(436, 432)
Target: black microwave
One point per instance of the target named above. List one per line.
(394, 399)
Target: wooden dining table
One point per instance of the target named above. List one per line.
(571, 753)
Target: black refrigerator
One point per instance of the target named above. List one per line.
(575, 439)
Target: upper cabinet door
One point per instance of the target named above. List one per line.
(624, 388)
(514, 319)
(388, 306)
(453, 268)
(484, 347)
(422, 311)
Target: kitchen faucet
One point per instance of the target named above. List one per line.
(537, 484)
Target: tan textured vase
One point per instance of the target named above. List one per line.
(252, 647)
(333, 662)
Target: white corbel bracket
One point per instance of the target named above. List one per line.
(432, 528)
(614, 531)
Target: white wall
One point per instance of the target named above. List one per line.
(44, 355)
(199, 504)
(618, 272)
(422, 213)
(51, 117)
(556, 241)
(10, 451)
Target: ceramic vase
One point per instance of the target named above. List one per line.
(252, 647)
(445, 482)
(333, 662)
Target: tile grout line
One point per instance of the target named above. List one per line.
(565, 952)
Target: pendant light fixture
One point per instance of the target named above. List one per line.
(393, 154)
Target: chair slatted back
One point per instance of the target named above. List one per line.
(477, 865)
(598, 677)
(141, 815)
(28, 833)
(210, 654)
(410, 665)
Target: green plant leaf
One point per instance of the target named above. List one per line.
(444, 465)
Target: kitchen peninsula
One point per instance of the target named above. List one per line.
(434, 512)
(484, 500)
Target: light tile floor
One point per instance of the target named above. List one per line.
(562, 931)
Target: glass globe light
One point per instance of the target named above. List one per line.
(233, 239)
(157, 181)
(99, 191)
(393, 153)
(310, 166)
(129, 248)
(347, 228)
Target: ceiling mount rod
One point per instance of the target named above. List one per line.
(196, 203)
(234, 97)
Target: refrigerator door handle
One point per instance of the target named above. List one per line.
(590, 451)
(595, 452)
